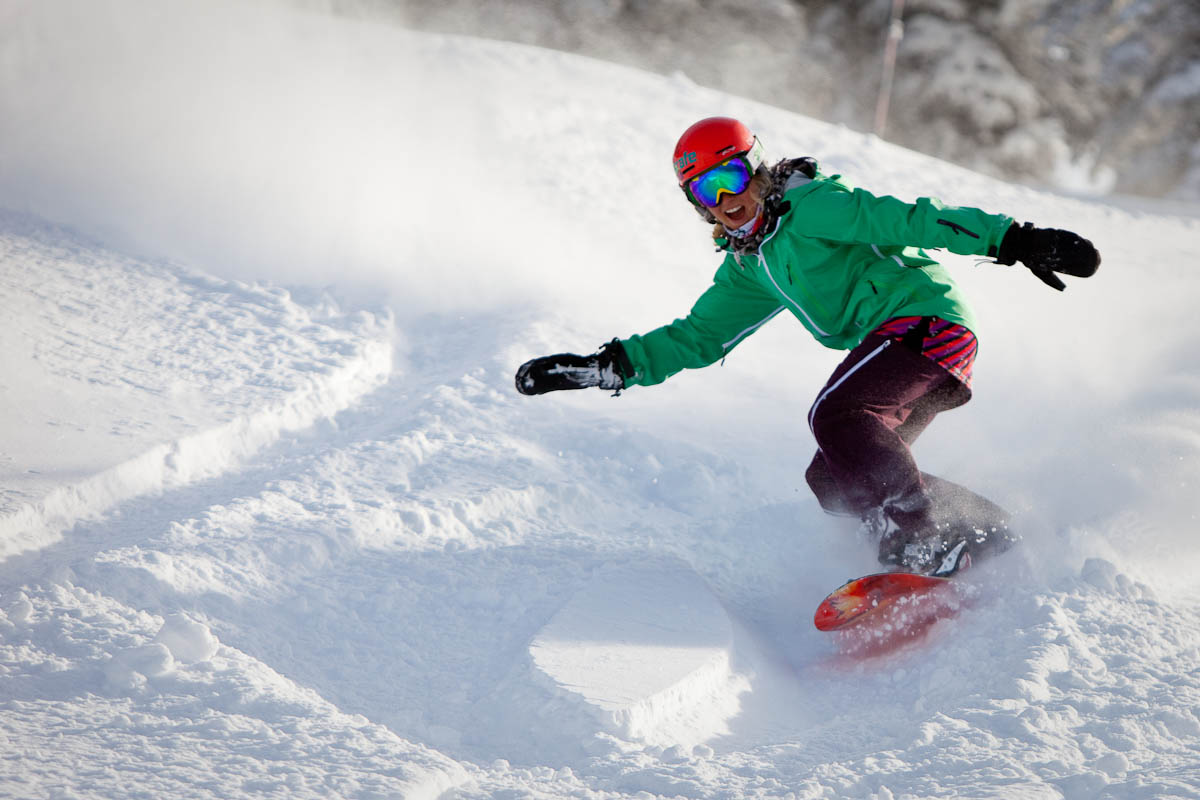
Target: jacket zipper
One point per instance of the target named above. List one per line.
(787, 298)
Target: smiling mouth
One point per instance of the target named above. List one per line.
(739, 215)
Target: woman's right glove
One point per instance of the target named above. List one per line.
(570, 371)
(1047, 251)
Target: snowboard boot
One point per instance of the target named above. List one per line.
(943, 549)
(938, 532)
(929, 549)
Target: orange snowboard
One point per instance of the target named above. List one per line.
(876, 612)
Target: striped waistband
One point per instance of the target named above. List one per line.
(948, 344)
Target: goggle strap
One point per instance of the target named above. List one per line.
(755, 156)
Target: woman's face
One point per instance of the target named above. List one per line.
(735, 210)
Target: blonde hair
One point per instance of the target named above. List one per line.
(761, 183)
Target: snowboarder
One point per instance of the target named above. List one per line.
(849, 265)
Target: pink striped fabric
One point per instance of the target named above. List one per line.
(949, 345)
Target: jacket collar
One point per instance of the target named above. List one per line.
(774, 206)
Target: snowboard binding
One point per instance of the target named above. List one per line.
(955, 529)
(946, 549)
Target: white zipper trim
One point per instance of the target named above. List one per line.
(879, 253)
(751, 329)
(778, 288)
(813, 411)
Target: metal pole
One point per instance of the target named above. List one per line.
(895, 34)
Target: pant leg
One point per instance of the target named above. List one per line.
(878, 400)
(943, 397)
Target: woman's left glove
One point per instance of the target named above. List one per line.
(570, 371)
(1047, 251)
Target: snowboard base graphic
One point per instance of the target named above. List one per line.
(879, 612)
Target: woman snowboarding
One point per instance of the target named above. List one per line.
(850, 267)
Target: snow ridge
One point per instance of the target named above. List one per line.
(194, 457)
(286, 390)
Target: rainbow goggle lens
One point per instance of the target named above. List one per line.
(728, 177)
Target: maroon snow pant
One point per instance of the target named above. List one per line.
(876, 403)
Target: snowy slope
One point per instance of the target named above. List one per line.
(257, 542)
(126, 377)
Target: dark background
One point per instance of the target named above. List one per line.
(1092, 95)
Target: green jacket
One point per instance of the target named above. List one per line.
(840, 259)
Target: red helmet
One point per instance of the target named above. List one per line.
(712, 141)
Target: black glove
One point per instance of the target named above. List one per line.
(1047, 251)
(605, 369)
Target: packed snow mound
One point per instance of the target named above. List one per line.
(649, 651)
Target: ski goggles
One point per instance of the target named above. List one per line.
(728, 177)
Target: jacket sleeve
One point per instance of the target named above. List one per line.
(833, 211)
(729, 311)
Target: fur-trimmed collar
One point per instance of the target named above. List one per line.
(773, 205)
